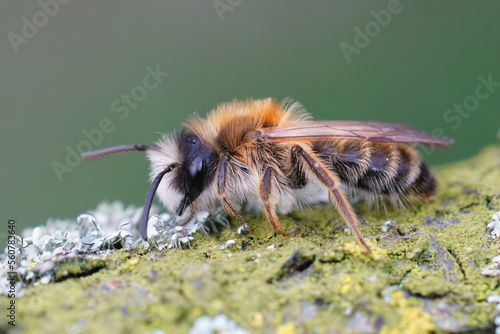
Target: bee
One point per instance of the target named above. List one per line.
(274, 152)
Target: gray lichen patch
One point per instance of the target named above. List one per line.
(423, 275)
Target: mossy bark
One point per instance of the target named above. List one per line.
(424, 274)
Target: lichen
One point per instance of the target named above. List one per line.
(423, 275)
(412, 319)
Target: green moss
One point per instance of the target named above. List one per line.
(422, 276)
(427, 283)
(78, 268)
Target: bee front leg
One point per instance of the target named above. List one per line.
(231, 210)
(331, 180)
(268, 202)
(224, 199)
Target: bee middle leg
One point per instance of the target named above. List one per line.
(269, 201)
(331, 180)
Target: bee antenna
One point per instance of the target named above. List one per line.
(149, 201)
(115, 150)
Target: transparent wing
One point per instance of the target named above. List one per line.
(368, 131)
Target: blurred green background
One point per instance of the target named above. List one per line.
(64, 78)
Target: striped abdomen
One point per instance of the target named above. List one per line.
(391, 170)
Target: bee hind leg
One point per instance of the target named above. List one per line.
(268, 203)
(331, 180)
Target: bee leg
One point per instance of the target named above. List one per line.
(221, 193)
(331, 180)
(231, 210)
(268, 203)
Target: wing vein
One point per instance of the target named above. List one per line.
(368, 131)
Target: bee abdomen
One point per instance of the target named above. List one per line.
(349, 159)
(386, 170)
(407, 172)
(425, 186)
(396, 171)
(382, 171)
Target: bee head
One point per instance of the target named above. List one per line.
(192, 163)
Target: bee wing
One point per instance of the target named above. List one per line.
(368, 131)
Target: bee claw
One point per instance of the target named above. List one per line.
(367, 248)
(244, 227)
(296, 230)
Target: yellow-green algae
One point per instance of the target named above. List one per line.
(423, 276)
